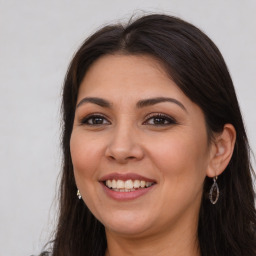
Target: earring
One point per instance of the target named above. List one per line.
(78, 194)
(214, 191)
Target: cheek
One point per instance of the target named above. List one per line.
(182, 160)
(85, 154)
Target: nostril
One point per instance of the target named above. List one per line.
(111, 157)
(130, 157)
(124, 153)
(121, 159)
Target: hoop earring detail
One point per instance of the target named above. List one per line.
(78, 194)
(214, 191)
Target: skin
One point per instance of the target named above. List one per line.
(176, 154)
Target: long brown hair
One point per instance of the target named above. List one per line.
(195, 64)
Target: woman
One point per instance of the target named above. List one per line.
(156, 158)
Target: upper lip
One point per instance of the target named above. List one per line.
(125, 176)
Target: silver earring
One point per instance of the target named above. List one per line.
(78, 194)
(214, 191)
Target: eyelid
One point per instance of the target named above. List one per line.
(83, 120)
(171, 119)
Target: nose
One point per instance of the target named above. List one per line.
(124, 146)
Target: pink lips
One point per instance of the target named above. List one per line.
(124, 196)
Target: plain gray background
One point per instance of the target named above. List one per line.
(37, 41)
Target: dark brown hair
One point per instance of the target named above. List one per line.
(197, 67)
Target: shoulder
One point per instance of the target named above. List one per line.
(44, 253)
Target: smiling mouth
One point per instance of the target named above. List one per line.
(127, 185)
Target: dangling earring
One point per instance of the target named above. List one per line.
(214, 191)
(78, 194)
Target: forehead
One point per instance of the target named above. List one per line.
(137, 64)
(127, 74)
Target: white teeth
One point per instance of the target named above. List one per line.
(120, 184)
(136, 184)
(109, 183)
(128, 185)
(148, 184)
(113, 184)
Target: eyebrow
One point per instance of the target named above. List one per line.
(153, 101)
(140, 104)
(98, 101)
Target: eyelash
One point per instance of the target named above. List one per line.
(86, 120)
(163, 117)
(153, 116)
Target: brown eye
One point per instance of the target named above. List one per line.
(160, 120)
(95, 120)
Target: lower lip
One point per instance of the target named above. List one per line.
(124, 196)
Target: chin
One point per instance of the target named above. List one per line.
(127, 230)
(126, 224)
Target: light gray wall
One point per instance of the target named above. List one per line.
(37, 40)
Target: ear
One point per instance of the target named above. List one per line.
(221, 150)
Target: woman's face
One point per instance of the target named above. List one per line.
(139, 147)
